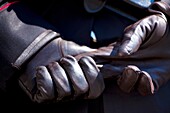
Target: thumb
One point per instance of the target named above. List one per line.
(144, 32)
(130, 43)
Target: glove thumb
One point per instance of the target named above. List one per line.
(142, 34)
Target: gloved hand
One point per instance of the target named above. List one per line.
(68, 79)
(133, 65)
(37, 46)
(53, 75)
(65, 74)
(38, 82)
(143, 56)
(17, 44)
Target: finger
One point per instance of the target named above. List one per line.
(149, 30)
(132, 40)
(94, 78)
(128, 78)
(75, 74)
(45, 89)
(60, 79)
(145, 85)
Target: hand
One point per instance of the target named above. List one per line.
(68, 79)
(36, 44)
(143, 33)
(52, 52)
(143, 57)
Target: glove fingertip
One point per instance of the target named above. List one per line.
(146, 86)
(94, 78)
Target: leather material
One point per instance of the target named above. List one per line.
(143, 56)
(37, 81)
(161, 6)
(139, 36)
(131, 57)
(113, 99)
(140, 33)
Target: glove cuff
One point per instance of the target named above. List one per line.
(20, 36)
(38, 43)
